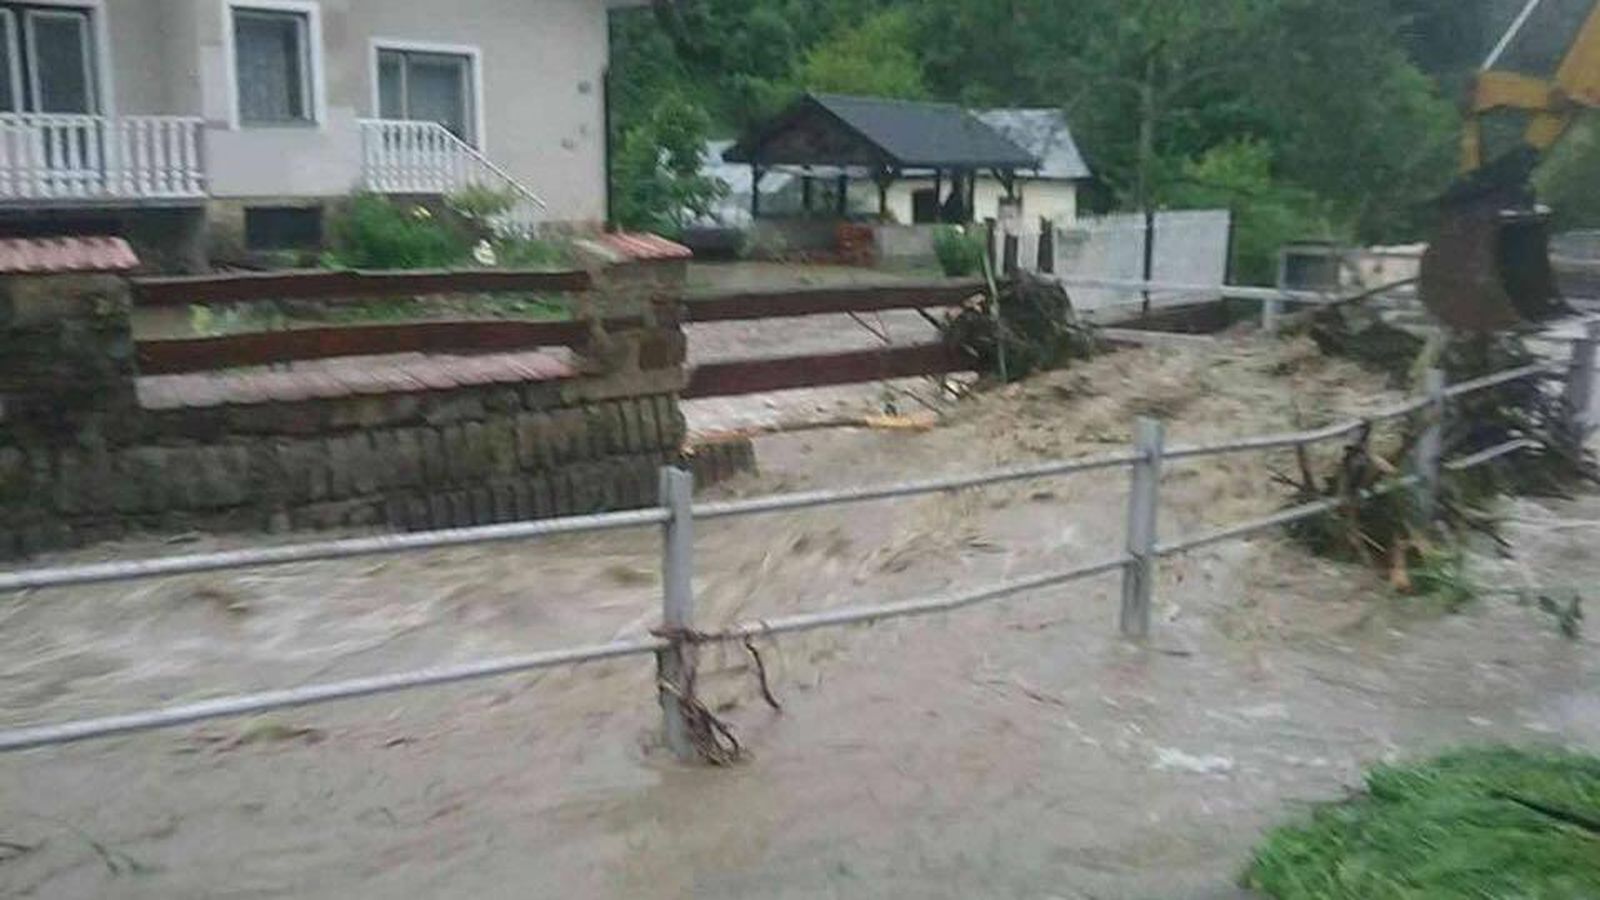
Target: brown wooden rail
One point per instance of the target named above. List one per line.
(337, 286)
(731, 379)
(175, 357)
(172, 357)
(820, 301)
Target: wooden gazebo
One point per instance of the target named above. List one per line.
(884, 140)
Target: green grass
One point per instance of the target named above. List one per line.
(485, 306)
(1487, 823)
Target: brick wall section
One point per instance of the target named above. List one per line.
(66, 359)
(718, 460)
(446, 459)
(82, 461)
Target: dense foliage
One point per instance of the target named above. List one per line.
(369, 231)
(960, 250)
(658, 162)
(372, 232)
(1308, 118)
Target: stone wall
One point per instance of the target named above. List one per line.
(82, 459)
(475, 458)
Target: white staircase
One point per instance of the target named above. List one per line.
(405, 157)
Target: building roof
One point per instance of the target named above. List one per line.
(36, 256)
(831, 129)
(1044, 133)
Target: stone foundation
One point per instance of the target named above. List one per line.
(496, 456)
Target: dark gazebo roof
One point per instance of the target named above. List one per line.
(833, 130)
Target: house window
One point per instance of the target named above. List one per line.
(272, 66)
(427, 86)
(268, 228)
(48, 63)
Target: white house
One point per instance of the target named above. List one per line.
(175, 121)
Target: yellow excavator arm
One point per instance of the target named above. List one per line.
(1554, 104)
(1488, 266)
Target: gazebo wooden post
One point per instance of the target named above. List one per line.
(755, 189)
(885, 178)
(1008, 180)
(844, 195)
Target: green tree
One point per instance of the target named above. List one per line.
(658, 180)
(1350, 117)
(1569, 179)
(1238, 176)
(874, 58)
(1345, 98)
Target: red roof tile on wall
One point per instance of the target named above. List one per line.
(39, 256)
(349, 377)
(641, 246)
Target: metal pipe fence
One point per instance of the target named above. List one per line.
(675, 645)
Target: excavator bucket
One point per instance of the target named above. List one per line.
(1488, 268)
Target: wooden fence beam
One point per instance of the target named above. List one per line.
(263, 348)
(350, 286)
(823, 301)
(731, 379)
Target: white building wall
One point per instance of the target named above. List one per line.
(543, 63)
(1056, 200)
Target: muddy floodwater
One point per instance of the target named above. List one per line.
(1018, 750)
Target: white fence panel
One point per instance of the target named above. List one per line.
(1191, 247)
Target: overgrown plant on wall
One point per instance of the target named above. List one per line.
(373, 232)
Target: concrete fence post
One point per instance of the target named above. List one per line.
(1428, 454)
(1138, 576)
(1047, 247)
(676, 664)
(1580, 394)
(1012, 253)
(1271, 313)
(1272, 309)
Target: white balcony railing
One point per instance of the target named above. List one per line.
(68, 157)
(404, 157)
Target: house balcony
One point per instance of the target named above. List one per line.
(55, 161)
(72, 160)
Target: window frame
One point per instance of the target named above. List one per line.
(84, 18)
(98, 52)
(474, 57)
(313, 78)
(11, 37)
